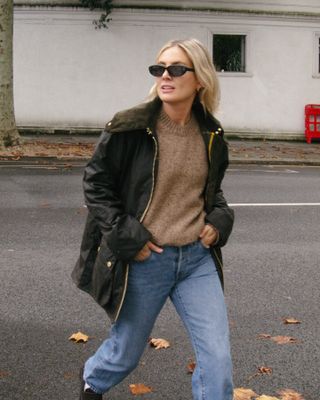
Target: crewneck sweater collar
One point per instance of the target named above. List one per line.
(175, 129)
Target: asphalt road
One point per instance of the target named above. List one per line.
(271, 272)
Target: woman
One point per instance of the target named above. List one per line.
(157, 219)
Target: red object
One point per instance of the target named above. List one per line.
(312, 121)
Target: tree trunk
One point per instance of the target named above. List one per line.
(9, 135)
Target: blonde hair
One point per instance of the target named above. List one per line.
(209, 94)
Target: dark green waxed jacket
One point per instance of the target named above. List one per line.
(118, 184)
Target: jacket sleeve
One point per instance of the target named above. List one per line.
(221, 215)
(125, 235)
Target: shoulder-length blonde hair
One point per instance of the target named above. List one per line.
(209, 94)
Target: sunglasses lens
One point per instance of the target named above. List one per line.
(173, 70)
(156, 70)
(176, 70)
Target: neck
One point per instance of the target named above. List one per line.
(178, 114)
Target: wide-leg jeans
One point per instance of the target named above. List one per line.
(189, 277)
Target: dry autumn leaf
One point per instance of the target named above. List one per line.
(4, 374)
(284, 339)
(140, 388)
(44, 205)
(265, 370)
(291, 321)
(288, 394)
(278, 339)
(243, 394)
(191, 367)
(159, 343)
(264, 397)
(264, 336)
(79, 337)
(69, 375)
(261, 371)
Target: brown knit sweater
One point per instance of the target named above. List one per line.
(176, 213)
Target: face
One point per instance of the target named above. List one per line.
(179, 90)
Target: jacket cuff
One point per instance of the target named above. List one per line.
(222, 221)
(127, 238)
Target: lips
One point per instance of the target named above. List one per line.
(167, 88)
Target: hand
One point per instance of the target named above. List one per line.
(146, 250)
(209, 235)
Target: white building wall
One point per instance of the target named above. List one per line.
(69, 75)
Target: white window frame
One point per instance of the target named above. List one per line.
(247, 54)
(316, 55)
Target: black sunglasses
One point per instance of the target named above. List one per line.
(173, 70)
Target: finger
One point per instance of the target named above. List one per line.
(143, 255)
(203, 232)
(154, 247)
(210, 236)
(206, 229)
(208, 241)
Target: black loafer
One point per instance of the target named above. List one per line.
(88, 394)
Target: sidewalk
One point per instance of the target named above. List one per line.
(77, 149)
(274, 152)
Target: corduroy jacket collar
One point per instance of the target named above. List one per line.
(144, 116)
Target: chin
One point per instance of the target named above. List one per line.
(167, 98)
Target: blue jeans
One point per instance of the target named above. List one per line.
(188, 276)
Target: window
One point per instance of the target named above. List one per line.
(229, 53)
(316, 56)
(319, 54)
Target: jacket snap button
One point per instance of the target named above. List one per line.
(109, 264)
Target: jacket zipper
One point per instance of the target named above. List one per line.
(210, 145)
(149, 131)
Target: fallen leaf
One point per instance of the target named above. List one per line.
(264, 336)
(265, 370)
(140, 388)
(191, 367)
(69, 375)
(291, 321)
(44, 205)
(284, 339)
(264, 397)
(159, 343)
(288, 394)
(243, 394)
(261, 370)
(4, 374)
(278, 339)
(79, 337)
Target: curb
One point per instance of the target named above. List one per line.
(43, 161)
(241, 161)
(81, 162)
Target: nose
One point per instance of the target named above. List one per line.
(166, 74)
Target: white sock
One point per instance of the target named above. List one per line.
(86, 386)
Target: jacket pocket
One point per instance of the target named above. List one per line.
(103, 275)
(105, 257)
